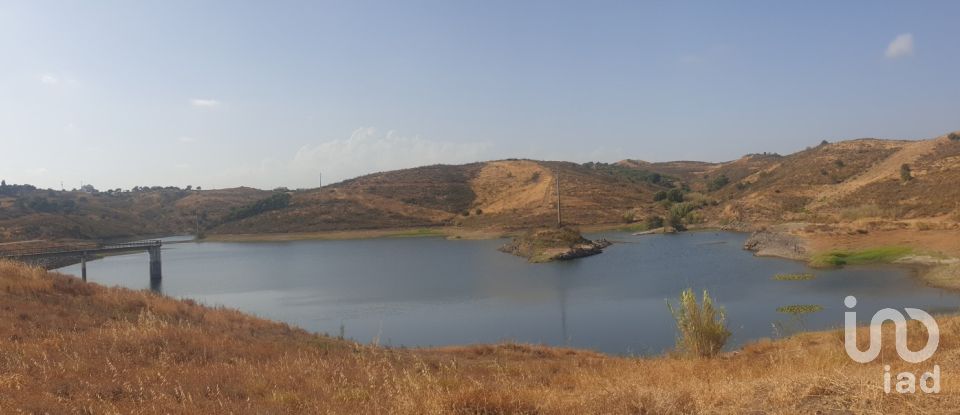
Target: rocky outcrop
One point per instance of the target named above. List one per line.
(779, 244)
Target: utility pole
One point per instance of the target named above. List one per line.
(559, 217)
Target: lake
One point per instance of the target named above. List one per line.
(434, 292)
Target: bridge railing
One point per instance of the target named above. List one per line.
(78, 249)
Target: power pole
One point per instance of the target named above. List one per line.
(559, 216)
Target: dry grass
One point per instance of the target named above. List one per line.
(72, 348)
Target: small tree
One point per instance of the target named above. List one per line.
(905, 173)
(702, 327)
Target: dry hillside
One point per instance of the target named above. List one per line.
(847, 182)
(505, 194)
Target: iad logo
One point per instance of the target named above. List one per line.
(906, 381)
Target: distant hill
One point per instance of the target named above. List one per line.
(832, 182)
(503, 194)
(27, 213)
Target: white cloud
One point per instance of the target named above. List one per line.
(901, 46)
(204, 103)
(367, 151)
(49, 79)
(186, 140)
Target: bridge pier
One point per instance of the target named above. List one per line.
(155, 270)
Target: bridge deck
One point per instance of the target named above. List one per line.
(72, 252)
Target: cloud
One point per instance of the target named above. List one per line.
(204, 103)
(367, 151)
(49, 79)
(186, 140)
(901, 46)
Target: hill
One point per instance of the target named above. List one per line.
(28, 213)
(505, 194)
(73, 347)
(852, 185)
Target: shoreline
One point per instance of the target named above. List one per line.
(929, 265)
(448, 232)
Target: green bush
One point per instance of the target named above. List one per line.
(905, 173)
(702, 327)
(274, 202)
(654, 222)
(718, 183)
(954, 136)
(675, 195)
(661, 195)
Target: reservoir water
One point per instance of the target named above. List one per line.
(434, 292)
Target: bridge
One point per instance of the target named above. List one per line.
(39, 256)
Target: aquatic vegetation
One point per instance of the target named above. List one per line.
(795, 277)
(885, 254)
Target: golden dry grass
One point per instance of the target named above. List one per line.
(68, 347)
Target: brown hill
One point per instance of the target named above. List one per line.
(503, 194)
(831, 183)
(27, 213)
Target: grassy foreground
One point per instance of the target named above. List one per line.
(71, 347)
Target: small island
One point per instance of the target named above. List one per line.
(552, 244)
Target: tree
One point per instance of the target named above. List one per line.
(905, 173)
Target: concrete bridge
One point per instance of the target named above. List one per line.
(47, 255)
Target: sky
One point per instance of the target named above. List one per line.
(277, 93)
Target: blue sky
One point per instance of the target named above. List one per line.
(220, 94)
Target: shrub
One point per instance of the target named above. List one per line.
(718, 183)
(675, 195)
(274, 202)
(681, 210)
(661, 195)
(702, 327)
(694, 217)
(905, 173)
(654, 222)
(862, 211)
(954, 136)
